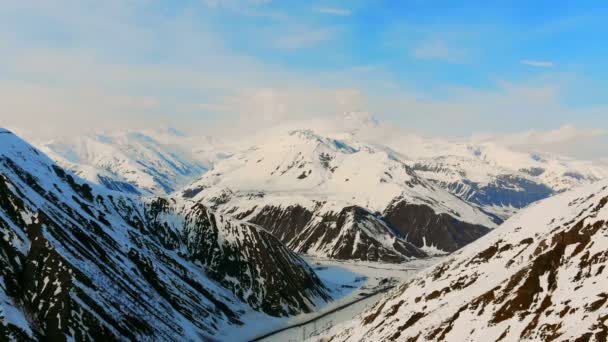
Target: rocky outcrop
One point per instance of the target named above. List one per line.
(538, 277)
(80, 262)
(328, 197)
(424, 228)
(353, 233)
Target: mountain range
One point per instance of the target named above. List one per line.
(159, 235)
(351, 188)
(338, 198)
(82, 262)
(540, 276)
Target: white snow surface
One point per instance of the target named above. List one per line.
(554, 252)
(301, 167)
(153, 163)
(163, 160)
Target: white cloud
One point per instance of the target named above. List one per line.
(567, 139)
(342, 12)
(66, 89)
(538, 64)
(564, 134)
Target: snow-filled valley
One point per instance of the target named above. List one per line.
(360, 284)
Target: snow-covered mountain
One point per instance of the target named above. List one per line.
(497, 179)
(541, 276)
(81, 262)
(500, 180)
(305, 192)
(339, 198)
(156, 162)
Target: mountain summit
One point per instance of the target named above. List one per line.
(338, 198)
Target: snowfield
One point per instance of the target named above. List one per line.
(145, 163)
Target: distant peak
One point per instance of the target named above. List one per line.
(172, 131)
(308, 135)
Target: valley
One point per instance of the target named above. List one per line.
(287, 239)
(361, 285)
(303, 171)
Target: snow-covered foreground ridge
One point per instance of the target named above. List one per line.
(82, 262)
(338, 198)
(539, 277)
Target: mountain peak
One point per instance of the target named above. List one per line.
(308, 135)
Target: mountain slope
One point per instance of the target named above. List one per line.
(131, 162)
(330, 197)
(80, 262)
(497, 179)
(540, 276)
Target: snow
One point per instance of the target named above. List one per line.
(9, 313)
(520, 240)
(165, 159)
(305, 168)
(432, 249)
(117, 240)
(153, 167)
(348, 281)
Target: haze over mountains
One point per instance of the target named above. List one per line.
(157, 234)
(347, 188)
(495, 178)
(303, 171)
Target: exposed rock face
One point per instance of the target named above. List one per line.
(325, 197)
(351, 233)
(80, 262)
(424, 228)
(539, 277)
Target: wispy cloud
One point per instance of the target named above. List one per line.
(341, 12)
(439, 50)
(538, 64)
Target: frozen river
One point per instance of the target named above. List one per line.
(352, 282)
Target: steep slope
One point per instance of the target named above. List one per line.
(330, 197)
(499, 180)
(539, 277)
(494, 178)
(131, 162)
(81, 262)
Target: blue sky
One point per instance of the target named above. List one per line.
(439, 67)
